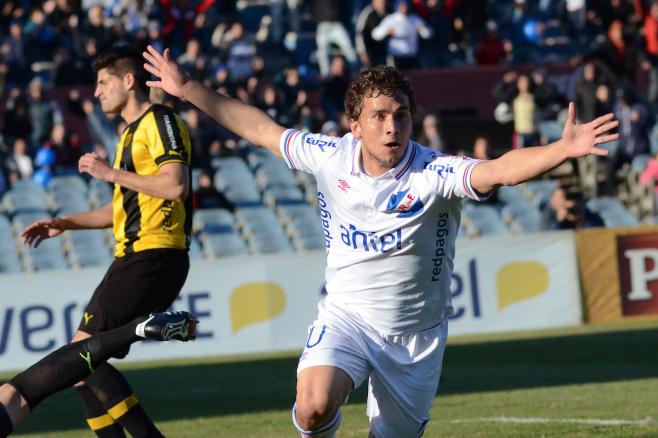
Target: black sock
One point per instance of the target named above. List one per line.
(71, 363)
(6, 426)
(116, 394)
(98, 420)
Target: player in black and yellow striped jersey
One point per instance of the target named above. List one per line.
(142, 221)
(151, 217)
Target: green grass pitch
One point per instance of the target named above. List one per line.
(579, 382)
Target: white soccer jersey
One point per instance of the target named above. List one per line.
(390, 239)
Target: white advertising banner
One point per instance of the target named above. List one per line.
(244, 305)
(509, 283)
(265, 304)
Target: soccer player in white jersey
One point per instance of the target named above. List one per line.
(390, 212)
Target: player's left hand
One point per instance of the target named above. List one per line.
(582, 139)
(95, 166)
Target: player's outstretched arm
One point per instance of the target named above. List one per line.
(244, 120)
(520, 165)
(44, 229)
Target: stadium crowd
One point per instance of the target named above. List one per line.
(295, 58)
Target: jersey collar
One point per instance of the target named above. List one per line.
(397, 172)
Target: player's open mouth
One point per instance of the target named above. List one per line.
(393, 145)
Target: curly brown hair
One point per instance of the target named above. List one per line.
(123, 59)
(374, 82)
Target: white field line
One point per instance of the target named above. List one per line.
(534, 420)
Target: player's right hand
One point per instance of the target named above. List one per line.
(172, 77)
(41, 230)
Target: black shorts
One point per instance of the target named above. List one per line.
(135, 285)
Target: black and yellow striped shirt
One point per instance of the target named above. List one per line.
(141, 221)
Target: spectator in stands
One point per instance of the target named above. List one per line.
(199, 137)
(155, 37)
(481, 149)
(523, 29)
(65, 145)
(94, 27)
(179, 18)
(620, 56)
(240, 52)
(14, 53)
(271, 104)
(577, 13)
(568, 211)
(290, 85)
(371, 52)
(604, 101)
(430, 134)
(651, 47)
(634, 126)
(650, 174)
(330, 30)
(402, 29)
(547, 97)
(222, 149)
(491, 48)
(334, 87)
(209, 197)
(16, 121)
(104, 129)
(188, 59)
(585, 90)
(294, 19)
(19, 164)
(44, 161)
(44, 112)
(504, 93)
(526, 115)
(301, 114)
(40, 37)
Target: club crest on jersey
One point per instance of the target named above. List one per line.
(343, 185)
(407, 203)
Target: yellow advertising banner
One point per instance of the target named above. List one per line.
(619, 272)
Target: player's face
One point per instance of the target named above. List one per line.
(110, 92)
(384, 127)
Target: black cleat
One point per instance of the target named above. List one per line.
(166, 326)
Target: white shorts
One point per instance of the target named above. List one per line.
(403, 370)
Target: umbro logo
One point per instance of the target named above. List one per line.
(343, 185)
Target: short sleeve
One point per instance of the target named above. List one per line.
(170, 141)
(450, 176)
(306, 151)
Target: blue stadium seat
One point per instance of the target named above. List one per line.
(9, 261)
(483, 220)
(22, 219)
(69, 183)
(48, 256)
(551, 130)
(279, 194)
(539, 191)
(196, 173)
(302, 224)
(511, 195)
(196, 252)
(262, 230)
(100, 193)
(20, 201)
(223, 245)
(613, 212)
(213, 220)
(73, 201)
(235, 180)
